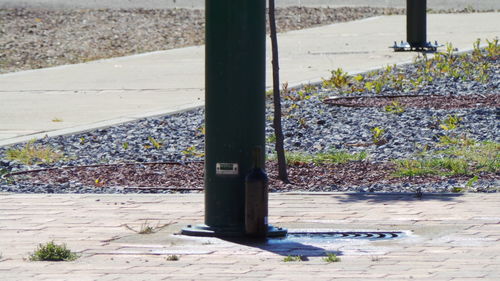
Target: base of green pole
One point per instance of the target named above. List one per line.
(207, 231)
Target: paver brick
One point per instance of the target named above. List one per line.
(442, 246)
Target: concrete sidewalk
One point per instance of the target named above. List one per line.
(108, 92)
(447, 237)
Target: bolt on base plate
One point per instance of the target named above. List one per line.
(407, 47)
(207, 231)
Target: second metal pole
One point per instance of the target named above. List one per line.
(416, 23)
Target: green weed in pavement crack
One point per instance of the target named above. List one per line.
(52, 252)
(293, 258)
(146, 228)
(330, 257)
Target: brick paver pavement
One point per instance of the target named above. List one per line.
(448, 237)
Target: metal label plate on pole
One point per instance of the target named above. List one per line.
(226, 169)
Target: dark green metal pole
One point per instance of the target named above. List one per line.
(235, 64)
(235, 106)
(416, 23)
(234, 109)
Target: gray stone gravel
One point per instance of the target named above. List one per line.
(406, 133)
(309, 125)
(40, 38)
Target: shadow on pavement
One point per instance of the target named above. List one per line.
(388, 197)
(284, 247)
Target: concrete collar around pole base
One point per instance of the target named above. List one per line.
(203, 230)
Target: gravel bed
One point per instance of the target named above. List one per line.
(363, 176)
(37, 38)
(422, 101)
(310, 126)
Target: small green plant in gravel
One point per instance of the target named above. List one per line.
(330, 257)
(52, 252)
(476, 49)
(483, 156)
(303, 95)
(457, 189)
(33, 154)
(369, 86)
(271, 138)
(379, 85)
(433, 166)
(339, 79)
(99, 182)
(359, 78)
(475, 66)
(331, 157)
(310, 89)
(269, 94)
(455, 159)
(302, 122)
(201, 131)
(394, 108)
(292, 258)
(155, 143)
(297, 95)
(293, 106)
(471, 182)
(378, 136)
(417, 83)
(467, 186)
(493, 49)
(193, 151)
(398, 81)
(451, 122)
(125, 145)
(464, 140)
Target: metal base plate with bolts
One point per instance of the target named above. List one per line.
(207, 231)
(407, 47)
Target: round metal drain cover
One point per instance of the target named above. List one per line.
(347, 235)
